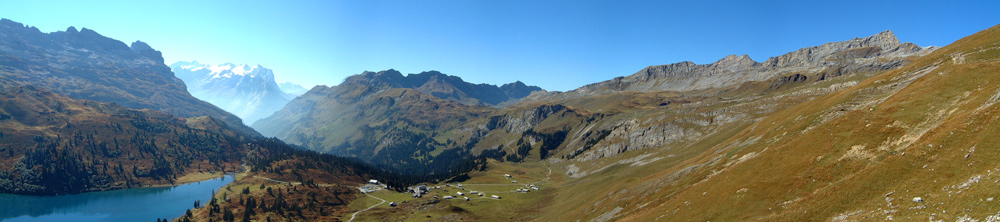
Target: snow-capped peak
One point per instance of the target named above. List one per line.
(227, 70)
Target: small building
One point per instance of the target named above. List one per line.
(495, 197)
(417, 189)
(466, 198)
(474, 192)
(448, 197)
(506, 175)
(392, 204)
(373, 181)
(460, 193)
(459, 185)
(480, 194)
(513, 181)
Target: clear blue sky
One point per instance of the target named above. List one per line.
(558, 45)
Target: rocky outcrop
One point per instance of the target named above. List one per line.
(878, 52)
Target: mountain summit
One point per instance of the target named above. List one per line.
(447, 87)
(248, 91)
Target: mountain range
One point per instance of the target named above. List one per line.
(80, 112)
(868, 128)
(292, 88)
(860, 130)
(249, 92)
(406, 122)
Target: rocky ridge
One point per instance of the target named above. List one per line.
(877, 52)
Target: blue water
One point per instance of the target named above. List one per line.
(139, 204)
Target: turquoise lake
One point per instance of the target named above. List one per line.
(139, 204)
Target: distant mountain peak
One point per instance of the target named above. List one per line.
(144, 49)
(735, 60)
(885, 36)
(292, 89)
(444, 86)
(226, 70)
(885, 40)
(851, 54)
(249, 91)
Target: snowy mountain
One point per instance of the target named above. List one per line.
(249, 92)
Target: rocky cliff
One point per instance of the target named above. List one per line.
(877, 52)
(86, 65)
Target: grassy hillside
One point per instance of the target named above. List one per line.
(923, 131)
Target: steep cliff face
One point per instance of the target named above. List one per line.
(874, 53)
(86, 65)
(250, 92)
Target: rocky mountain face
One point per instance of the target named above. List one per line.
(250, 92)
(86, 65)
(878, 52)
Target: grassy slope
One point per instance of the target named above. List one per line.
(512, 206)
(912, 144)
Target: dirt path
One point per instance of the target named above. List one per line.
(366, 209)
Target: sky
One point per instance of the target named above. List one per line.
(558, 45)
